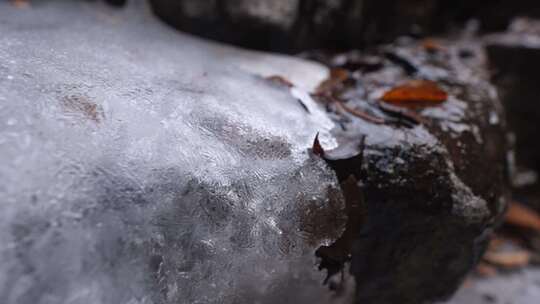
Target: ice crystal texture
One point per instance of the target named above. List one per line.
(140, 165)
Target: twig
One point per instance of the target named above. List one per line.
(360, 113)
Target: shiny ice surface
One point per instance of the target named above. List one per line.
(140, 165)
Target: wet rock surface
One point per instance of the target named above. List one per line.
(140, 165)
(423, 190)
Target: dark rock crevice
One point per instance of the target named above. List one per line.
(335, 256)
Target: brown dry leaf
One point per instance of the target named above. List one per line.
(20, 3)
(280, 80)
(431, 45)
(513, 259)
(485, 270)
(336, 79)
(317, 148)
(416, 93)
(522, 216)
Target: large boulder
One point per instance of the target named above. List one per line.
(293, 25)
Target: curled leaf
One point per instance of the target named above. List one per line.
(317, 148)
(416, 93)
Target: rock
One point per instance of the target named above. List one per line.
(140, 165)
(433, 190)
(515, 59)
(291, 26)
(268, 25)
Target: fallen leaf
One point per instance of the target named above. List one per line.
(432, 45)
(513, 259)
(280, 80)
(416, 93)
(317, 148)
(334, 81)
(20, 3)
(485, 270)
(522, 216)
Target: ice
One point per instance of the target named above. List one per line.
(140, 165)
(519, 287)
